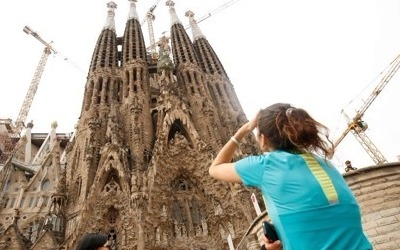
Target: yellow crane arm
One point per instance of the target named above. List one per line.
(357, 125)
(394, 66)
(23, 113)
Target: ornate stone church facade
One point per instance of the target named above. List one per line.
(136, 167)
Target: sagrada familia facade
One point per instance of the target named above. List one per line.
(136, 167)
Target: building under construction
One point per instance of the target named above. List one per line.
(136, 167)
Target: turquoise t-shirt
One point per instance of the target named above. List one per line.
(308, 201)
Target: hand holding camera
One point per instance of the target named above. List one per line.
(269, 231)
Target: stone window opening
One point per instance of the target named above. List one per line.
(45, 185)
(181, 184)
(178, 134)
(78, 187)
(33, 229)
(12, 202)
(30, 201)
(5, 202)
(7, 186)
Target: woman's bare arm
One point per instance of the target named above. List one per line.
(222, 167)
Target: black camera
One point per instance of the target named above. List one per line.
(269, 231)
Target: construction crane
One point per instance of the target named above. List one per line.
(150, 18)
(23, 113)
(211, 13)
(357, 126)
(14, 128)
(151, 11)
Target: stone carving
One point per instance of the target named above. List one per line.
(164, 212)
(217, 207)
(112, 187)
(205, 227)
(113, 133)
(178, 144)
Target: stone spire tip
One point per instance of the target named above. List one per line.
(132, 11)
(110, 22)
(193, 24)
(174, 17)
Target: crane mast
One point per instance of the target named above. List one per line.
(150, 18)
(357, 126)
(23, 113)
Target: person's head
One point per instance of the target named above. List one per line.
(282, 126)
(93, 241)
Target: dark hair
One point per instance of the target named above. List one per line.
(92, 241)
(293, 129)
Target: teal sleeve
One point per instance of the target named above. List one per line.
(250, 170)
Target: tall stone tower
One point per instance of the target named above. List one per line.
(136, 167)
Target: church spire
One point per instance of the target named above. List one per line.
(105, 52)
(132, 12)
(204, 50)
(133, 45)
(104, 58)
(196, 32)
(136, 90)
(180, 39)
(110, 21)
(192, 80)
(174, 16)
(223, 95)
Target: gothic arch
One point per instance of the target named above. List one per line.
(112, 159)
(178, 131)
(114, 166)
(98, 90)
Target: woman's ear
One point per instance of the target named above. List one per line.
(263, 141)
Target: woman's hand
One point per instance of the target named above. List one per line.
(248, 127)
(253, 122)
(276, 245)
(222, 167)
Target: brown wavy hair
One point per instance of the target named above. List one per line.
(293, 129)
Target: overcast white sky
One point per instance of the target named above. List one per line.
(321, 55)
